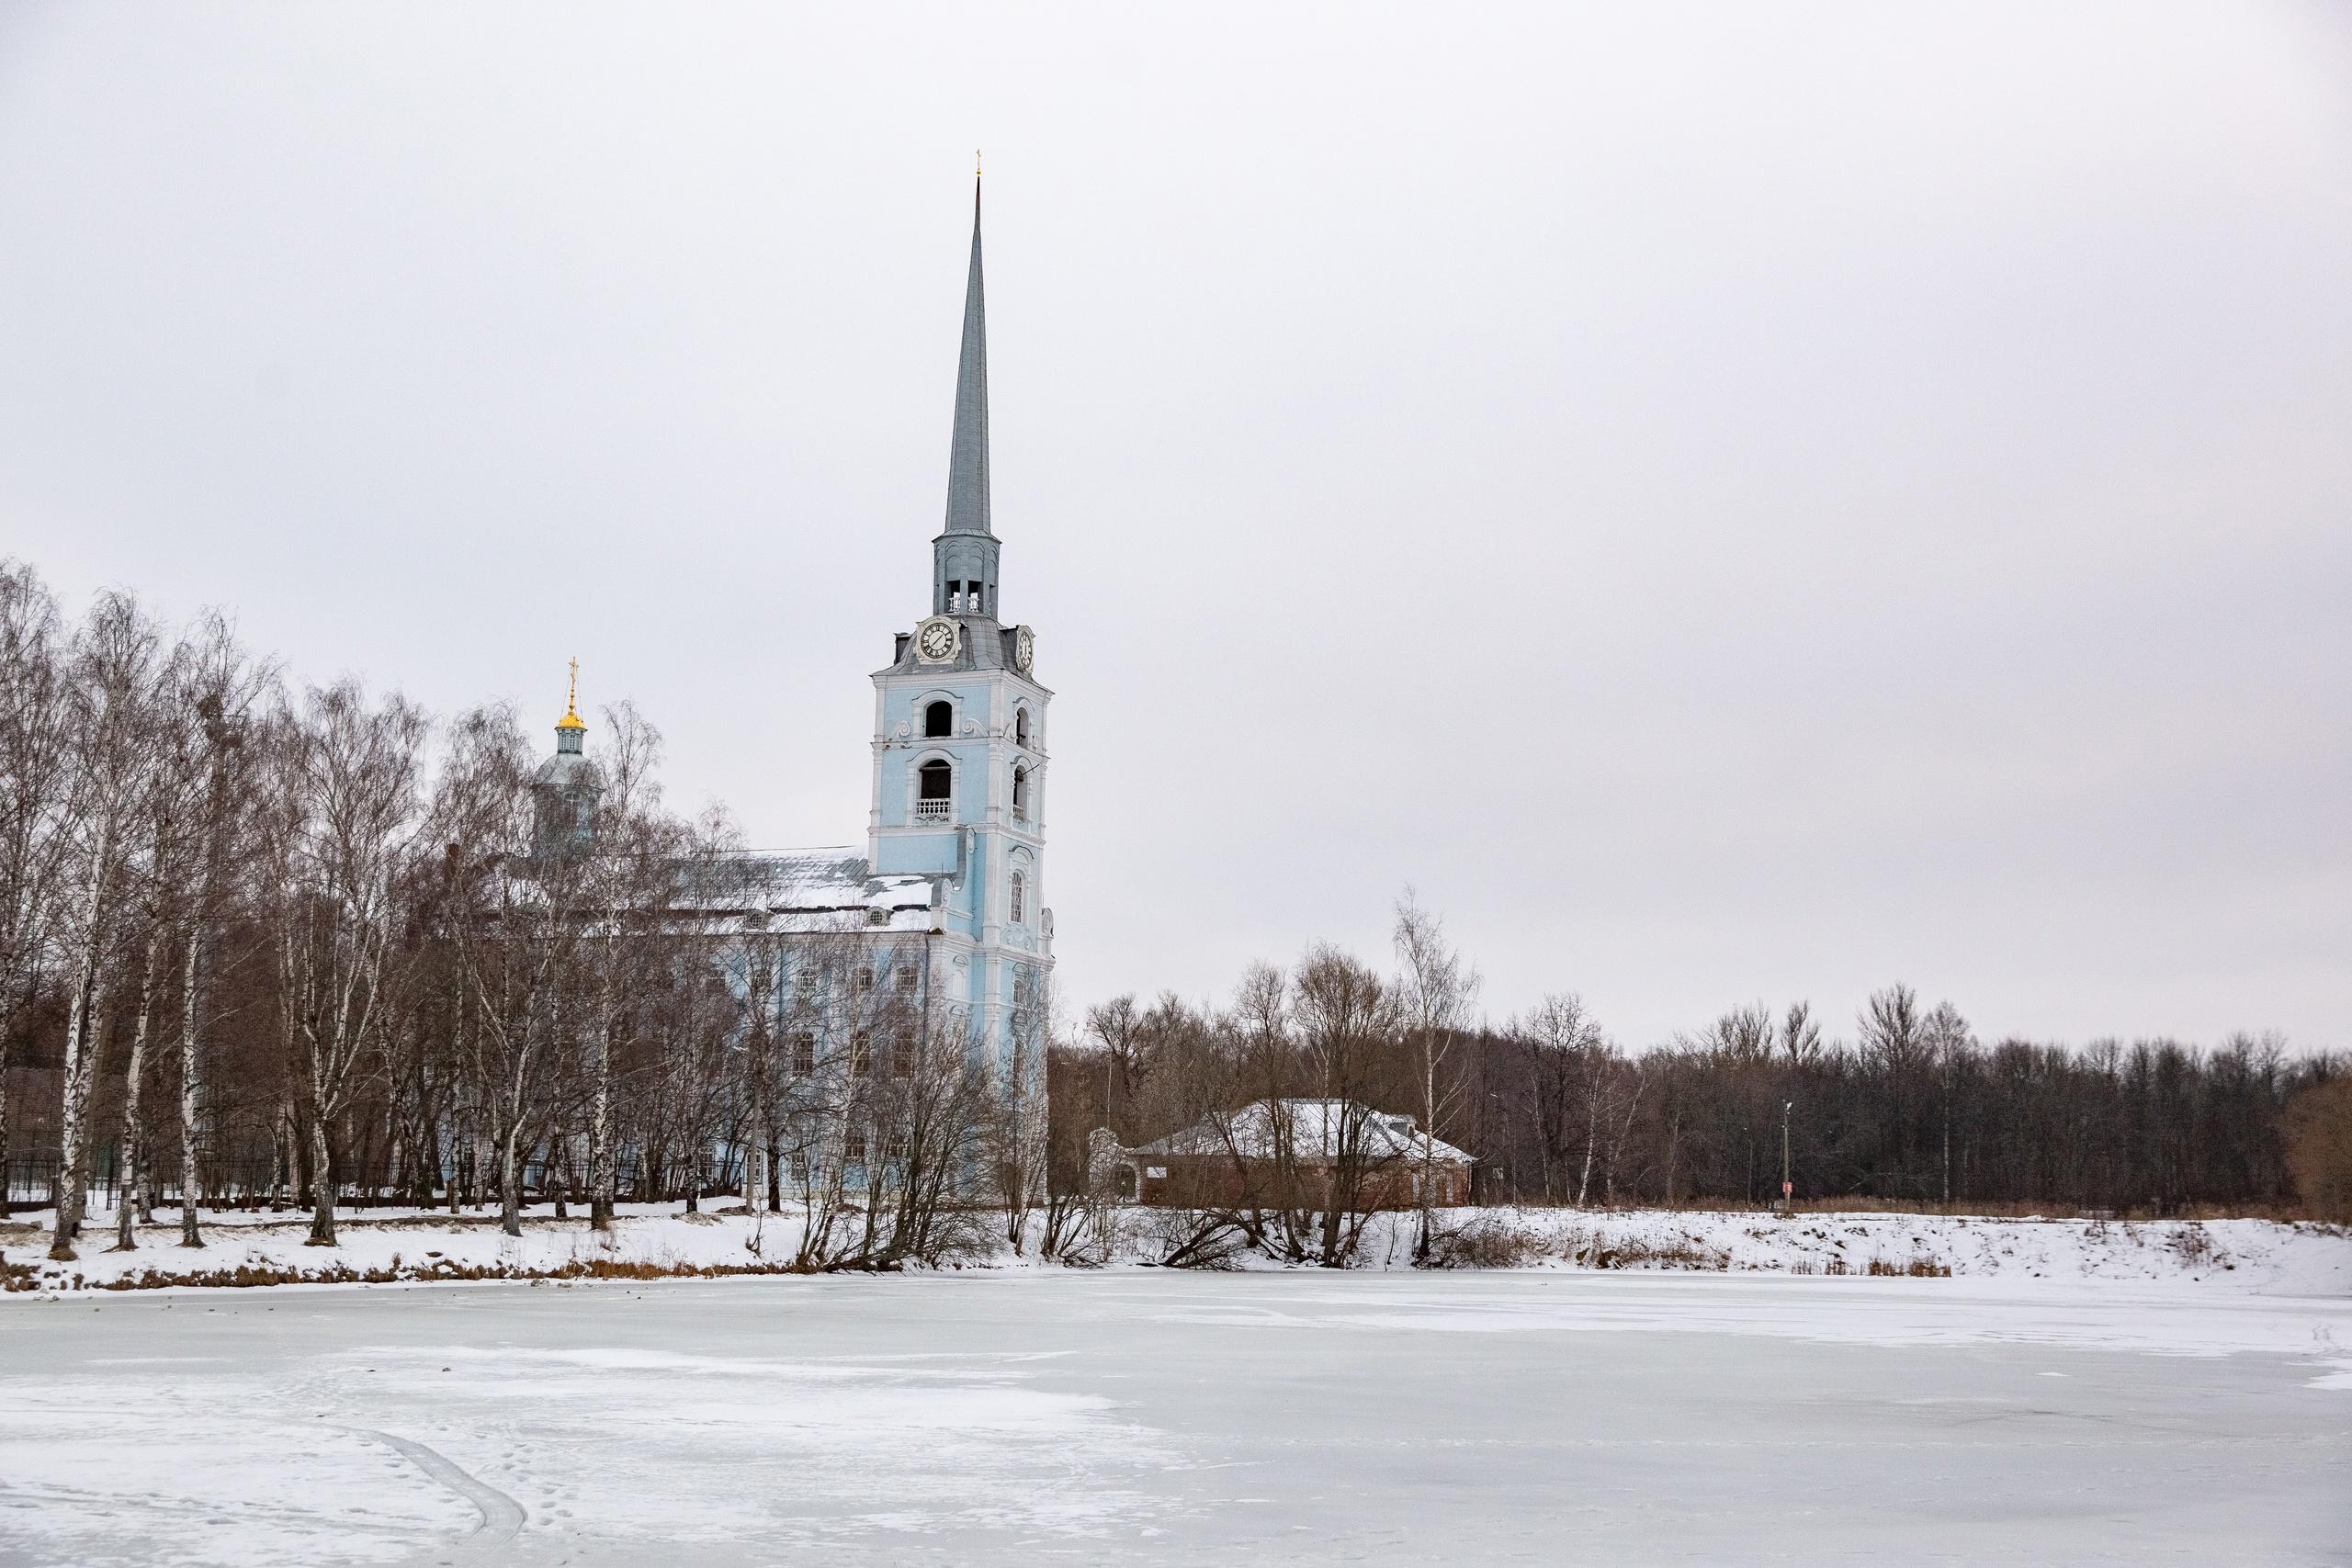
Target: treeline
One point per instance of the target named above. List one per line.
(262, 944)
(269, 942)
(1912, 1108)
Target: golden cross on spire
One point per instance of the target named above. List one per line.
(570, 719)
(976, 162)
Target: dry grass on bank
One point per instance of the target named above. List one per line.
(2281, 1213)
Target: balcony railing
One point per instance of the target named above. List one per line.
(933, 810)
(1020, 812)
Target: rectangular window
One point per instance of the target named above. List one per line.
(804, 1053)
(853, 1147)
(861, 1054)
(865, 983)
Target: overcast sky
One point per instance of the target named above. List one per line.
(1733, 502)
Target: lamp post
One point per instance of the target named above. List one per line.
(1787, 1187)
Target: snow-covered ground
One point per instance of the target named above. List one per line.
(383, 1246)
(1153, 1416)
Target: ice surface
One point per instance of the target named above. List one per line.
(1153, 1418)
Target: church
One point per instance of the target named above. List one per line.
(943, 915)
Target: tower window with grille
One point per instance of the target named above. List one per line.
(939, 721)
(1020, 897)
(934, 787)
(1021, 727)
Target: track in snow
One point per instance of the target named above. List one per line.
(502, 1516)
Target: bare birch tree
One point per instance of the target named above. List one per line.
(1346, 1018)
(228, 684)
(516, 913)
(1949, 1044)
(114, 670)
(1435, 993)
(629, 886)
(35, 755)
(1563, 1039)
(346, 778)
(174, 799)
(1016, 1129)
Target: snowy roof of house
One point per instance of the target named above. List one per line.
(818, 890)
(1314, 1130)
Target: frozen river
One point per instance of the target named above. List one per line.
(1160, 1418)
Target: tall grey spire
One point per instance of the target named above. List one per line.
(963, 556)
(967, 457)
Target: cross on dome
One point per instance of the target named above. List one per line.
(570, 719)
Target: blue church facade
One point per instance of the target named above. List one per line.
(939, 924)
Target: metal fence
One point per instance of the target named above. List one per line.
(238, 1181)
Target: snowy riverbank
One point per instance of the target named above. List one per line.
(389, 1245)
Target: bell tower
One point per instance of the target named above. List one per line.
(959, 745)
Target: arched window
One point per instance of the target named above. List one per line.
(1020, 897)
(1021, 727)
(939, 720)
(934, 788)
(1020, 795)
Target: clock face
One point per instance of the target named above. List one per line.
(1024, 648)
(936, 641)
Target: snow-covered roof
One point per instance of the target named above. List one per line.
(569, 770)
(1316, 1130)
(815, 889)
